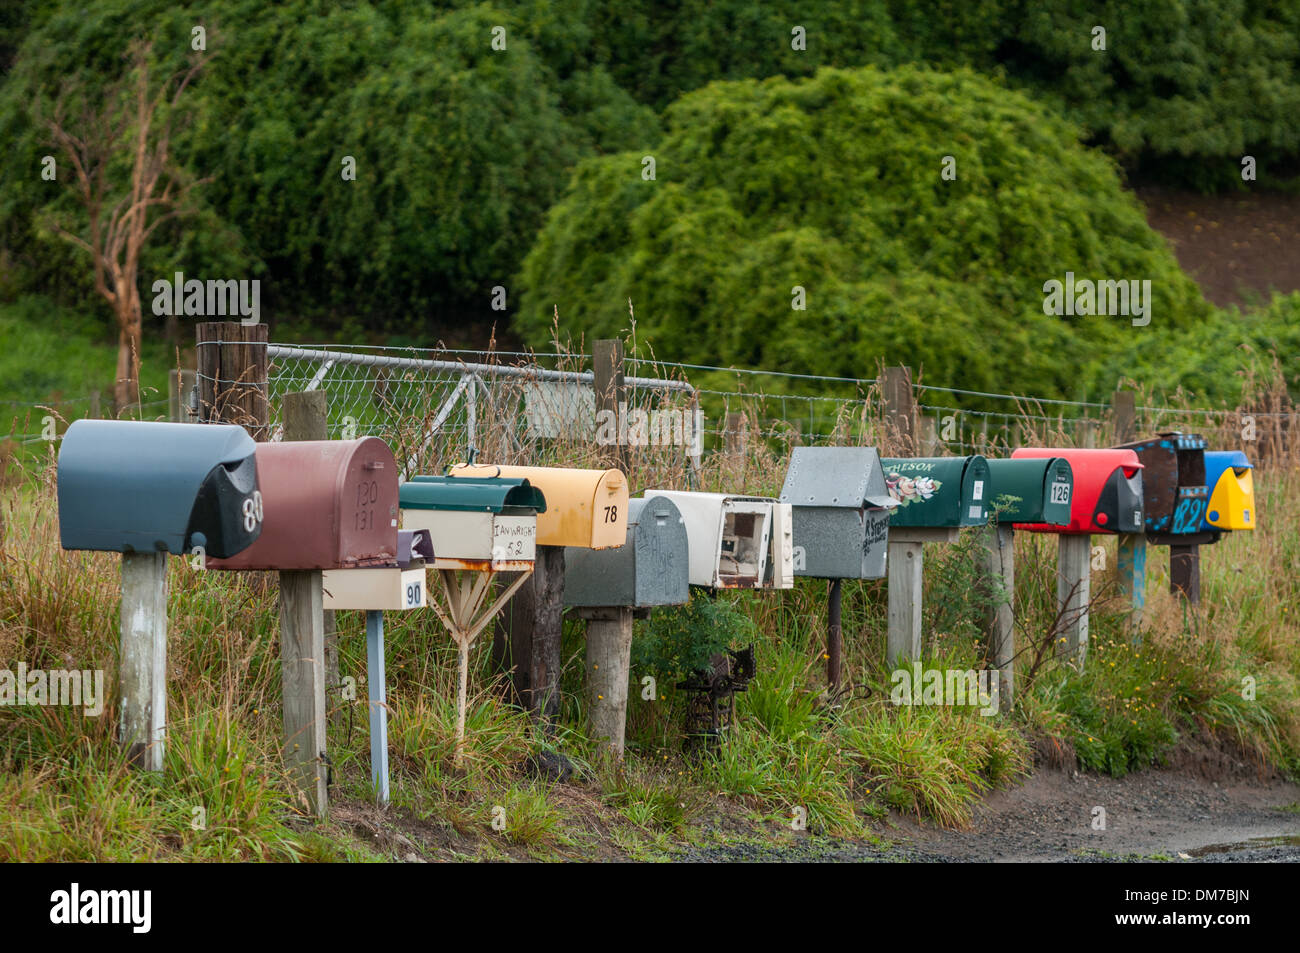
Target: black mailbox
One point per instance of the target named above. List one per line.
(134, 487)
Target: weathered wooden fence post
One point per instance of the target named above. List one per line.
(232, 375)
(1074, 593)
(527, 638)
(180, 384)
(302, 638)
(611, 397)
(1000, 571)
(609, 662)
(905, 566)
(143, 667)
(900, 408)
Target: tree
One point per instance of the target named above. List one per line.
(127, 186)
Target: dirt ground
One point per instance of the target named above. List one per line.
(1235, 246)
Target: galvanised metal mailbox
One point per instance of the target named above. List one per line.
(1174, 493)
(735, 542)
(134, 487)
(1232, 491)
(1042, 488)
(938, 491)
(476, 523)
(840, 509)
(1107, 494)
(330, 504)
(650, 569)
(584, 508)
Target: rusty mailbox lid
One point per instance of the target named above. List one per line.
(329, 504)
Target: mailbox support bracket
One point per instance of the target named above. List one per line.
(464, 621)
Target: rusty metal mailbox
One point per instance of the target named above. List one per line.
(650, 569)
(475, 523)
(1175, 495)
(330, 504)
(841, 507)
(735, 542)
(135, 487)
(584, 508)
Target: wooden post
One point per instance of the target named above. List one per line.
(905, 561)
(375, 679)
(142, 673)
(1185, 572)
(609, 664)
(1123, 405)
(302, 683)
(1131, 566)
(94, 405)
(1073, 593)
(834, 634)
(180, 383)
(232, 375)
(611, 397)
(929, 439)
(900, 407)
(527, 638)
(1088, 434)
(306, 417)
(1000, 572)
(736, 431)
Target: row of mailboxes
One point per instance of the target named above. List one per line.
(1232, 491)
(478, 523)
(938, 491)
(735, 542)
(133, 487)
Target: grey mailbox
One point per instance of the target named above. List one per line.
(650, 569)
(135, 487)
(841, 512)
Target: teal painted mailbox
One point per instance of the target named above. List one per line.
(130, 486)
(1032, 490)
(938, 491)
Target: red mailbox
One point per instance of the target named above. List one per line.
(1107, 491)
(328, 504)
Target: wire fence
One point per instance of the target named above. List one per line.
(436, 407)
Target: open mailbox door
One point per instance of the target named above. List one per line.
(736, 542)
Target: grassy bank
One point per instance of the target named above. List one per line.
(840, 763)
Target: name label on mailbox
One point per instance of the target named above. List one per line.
(514, 538)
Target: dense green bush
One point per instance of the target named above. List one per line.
(834, 185)
(459, 148)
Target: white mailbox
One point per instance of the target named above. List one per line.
(479, 524)
(735, 542)
(375, 589)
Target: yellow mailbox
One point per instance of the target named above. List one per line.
(1232, 491)
(584, 508)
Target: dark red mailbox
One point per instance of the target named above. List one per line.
(1107, 491)
(328, 504)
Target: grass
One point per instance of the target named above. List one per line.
(795, 761)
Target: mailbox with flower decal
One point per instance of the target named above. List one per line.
(938, 491)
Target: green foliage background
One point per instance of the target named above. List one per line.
(816, 167)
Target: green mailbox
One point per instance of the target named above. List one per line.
(1043, 488)
(938, 491)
